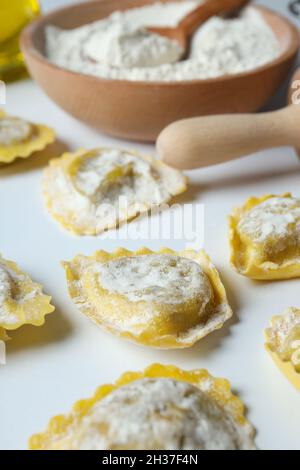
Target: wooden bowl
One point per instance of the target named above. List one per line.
(140, 110)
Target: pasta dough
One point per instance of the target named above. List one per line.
(89, 192)
(161, 408)
(265, 237)
(21, 300)
(20, 138)
(163, 300)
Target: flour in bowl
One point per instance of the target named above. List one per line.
(119, 47)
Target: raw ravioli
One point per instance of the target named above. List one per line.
(21, 300)
(89, 192)
(164, 300)
(265, 237)
(161, 408)
(20, 138)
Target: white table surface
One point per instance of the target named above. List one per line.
(50, 367)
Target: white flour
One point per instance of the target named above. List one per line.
(159, 414)
(156, 278)
(276, 219)
(122, 46)
(118, 47)
(13, 131)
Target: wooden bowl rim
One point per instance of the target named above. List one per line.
(28, 47)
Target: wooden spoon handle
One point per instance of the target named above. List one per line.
(203, 141)
(207, 10)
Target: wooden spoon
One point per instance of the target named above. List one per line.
(203, 141)
(184, 30)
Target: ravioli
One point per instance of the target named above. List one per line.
(21, 300)
(163, 300)
(265, 237)
(161, 408)
(283, 343)
(21, 138)
(89, 192)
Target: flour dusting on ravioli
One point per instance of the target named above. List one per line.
(21, 300)
(162, 407)
(89, 192)
(164, 300)
(21, 138)
(265, 237)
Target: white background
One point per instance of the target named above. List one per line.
(51, 367)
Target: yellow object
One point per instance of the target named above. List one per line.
(268, 251)
(283, 344)
(63, 430)
(162, 321)
(20, 138)
(89, 192)
(21, 300)
(3, 335)
(15, 14)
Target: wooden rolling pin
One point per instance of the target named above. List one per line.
(208, 140)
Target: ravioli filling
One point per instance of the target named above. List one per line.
(157, 414)
(14, 131)
(284, 337)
